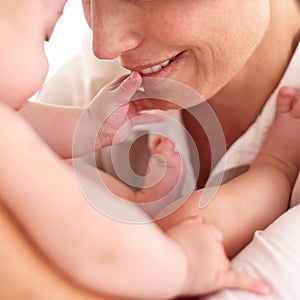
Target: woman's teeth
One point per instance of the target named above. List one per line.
(156, 68)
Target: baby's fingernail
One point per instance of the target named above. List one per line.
(134, 75)
(130, 77)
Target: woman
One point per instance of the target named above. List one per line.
(228, 51)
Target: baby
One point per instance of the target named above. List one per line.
(41, 190)
(78, 238)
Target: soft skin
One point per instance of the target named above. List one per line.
(26, 76)
(226, 35)
(220, 98)
(42, 191)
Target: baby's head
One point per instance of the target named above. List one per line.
(24, 27)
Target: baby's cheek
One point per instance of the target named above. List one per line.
(34, 77)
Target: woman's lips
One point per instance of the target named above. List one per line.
(163, 70)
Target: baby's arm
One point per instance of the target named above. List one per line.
(106, 120)
(255, 199)
(55, 124)
(100, 253)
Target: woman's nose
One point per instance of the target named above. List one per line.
(115, 26)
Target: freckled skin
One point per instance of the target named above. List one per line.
(218, 36)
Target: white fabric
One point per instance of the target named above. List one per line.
(273, 253)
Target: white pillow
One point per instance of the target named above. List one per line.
(274, 256)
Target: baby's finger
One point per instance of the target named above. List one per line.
(117, 81)
(124, 92)
(115, 96)
(235, 280)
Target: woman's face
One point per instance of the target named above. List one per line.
(202, 43)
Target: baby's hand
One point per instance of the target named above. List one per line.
(113, 111)
(208, 267)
